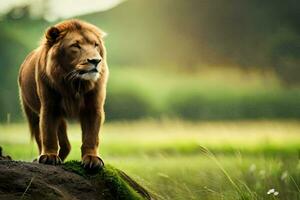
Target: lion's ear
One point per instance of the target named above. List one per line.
(52, 34)
(103, 34)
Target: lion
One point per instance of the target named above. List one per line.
(66, 78)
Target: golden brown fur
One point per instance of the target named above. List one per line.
(65, 77)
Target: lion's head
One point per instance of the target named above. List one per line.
(77, 49)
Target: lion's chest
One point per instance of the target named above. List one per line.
(71, 106)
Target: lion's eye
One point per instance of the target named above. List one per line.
(96, 44)
(76, 45)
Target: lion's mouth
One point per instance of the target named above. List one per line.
(94, 70)
(89, 75)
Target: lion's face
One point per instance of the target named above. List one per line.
(78, 51)
(82, 51)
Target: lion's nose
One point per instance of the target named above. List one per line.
(94, 61)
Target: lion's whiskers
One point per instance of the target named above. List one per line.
(71, 75)
(68, 74)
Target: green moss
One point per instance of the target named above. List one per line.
(111, 178)
(75, 166)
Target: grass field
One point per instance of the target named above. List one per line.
(182, 160)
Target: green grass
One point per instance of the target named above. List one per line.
(243, 161)
(110, 177)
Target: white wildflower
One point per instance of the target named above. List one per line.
(271, 191)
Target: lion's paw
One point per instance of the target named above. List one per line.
(92, 163)
(49, 159)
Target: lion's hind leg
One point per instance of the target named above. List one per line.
(33, 120)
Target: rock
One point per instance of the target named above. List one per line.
(24, 180)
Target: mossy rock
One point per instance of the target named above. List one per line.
(119, 184)
(23, 180)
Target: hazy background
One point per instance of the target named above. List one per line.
(172, 58)
(203, 96)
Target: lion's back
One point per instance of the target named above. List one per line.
(27, 82)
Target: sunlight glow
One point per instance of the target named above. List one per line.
(52, 10)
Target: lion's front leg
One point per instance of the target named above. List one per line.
(91, 120)
(49, 121)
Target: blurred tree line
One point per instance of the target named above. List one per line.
(249, 34)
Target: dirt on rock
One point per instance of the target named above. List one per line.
(24, 180)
